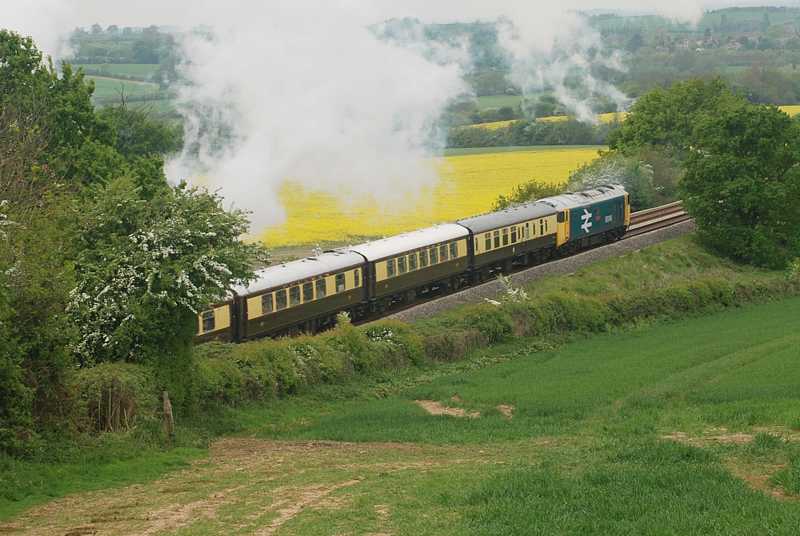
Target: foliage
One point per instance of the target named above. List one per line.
(794, 269)
(146, 267)
(742, 185)
(15, 396)
(113, 397)
(529, 191)
(614, 168)
(531, 132)
(139, 134)
(667, 117)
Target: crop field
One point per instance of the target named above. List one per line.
(140, 70)
(690, 427)
(470, 183)
(498, 101)
(109, 88)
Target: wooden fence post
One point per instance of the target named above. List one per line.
(169, 421)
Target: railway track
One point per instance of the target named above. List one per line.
(656, 218)
(642, 222)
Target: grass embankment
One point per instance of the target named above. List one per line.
(587, 420)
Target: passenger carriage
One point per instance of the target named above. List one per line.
(523, 234)
(401, 267)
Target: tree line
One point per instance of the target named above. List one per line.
(735, 165)
(101, 259)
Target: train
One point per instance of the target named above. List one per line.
(371, 279)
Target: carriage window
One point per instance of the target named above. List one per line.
(488, 243)
(308, 292)
(294, 296)
(266, 303)
(443, 252)
(453, 250)
(340, 283)
(208, 321)
(497, 239)
(390, 268)
(356, 278)
(412, 262)
(527, 230)
(513, 235)
(505, 237)
(280, 300)
(434, 256)
(401, 265)
(423, 258)
(322, 288)
(541, 226)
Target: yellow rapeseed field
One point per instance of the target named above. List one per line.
(469, 185)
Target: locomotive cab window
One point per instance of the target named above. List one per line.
(401, 265)
(390, 268)
(294, 296)
(208, 321)
(280, 299)
(266, 303)
(453, 250)
(322, 288)
(412, 262)
(340, 286)
(308, 292)
(423, 258)
(356, 278)
(443, 252)
(561, 218)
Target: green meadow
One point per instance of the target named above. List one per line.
(681, 427)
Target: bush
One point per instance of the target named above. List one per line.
(452, 345)
(113, 396)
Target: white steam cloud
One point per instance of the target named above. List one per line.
(304, 90)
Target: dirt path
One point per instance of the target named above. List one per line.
(250, 486)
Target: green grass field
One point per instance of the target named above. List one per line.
(139, 70)
(686, 427)
(109, 88)
(498, 101)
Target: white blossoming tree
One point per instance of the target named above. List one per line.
(145, 267)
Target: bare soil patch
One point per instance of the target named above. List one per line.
(506, 410)
(722, 436)
(757, 478)
(437, 408)
(247, 485)
(307, 497)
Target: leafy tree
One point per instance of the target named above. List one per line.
(147, 266)
(614, 168)
(666, 118)
(742, 183)
(529, 191)
(137, 133)
(15, 396)
(56, 108)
